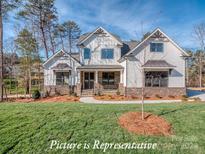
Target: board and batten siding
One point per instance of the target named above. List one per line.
(49, 74)
(96, 43)
(171, 54)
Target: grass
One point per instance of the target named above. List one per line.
(30, 128)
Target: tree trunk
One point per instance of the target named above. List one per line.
(51, 40)
(71, 74)
(1, 54)
(44, 41)
(200, 71)
(30, 86)
(62, 43)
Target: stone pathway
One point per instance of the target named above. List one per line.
(91, 100)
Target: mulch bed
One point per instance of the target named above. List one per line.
(49, 99)
(151, 125)
(130, 98)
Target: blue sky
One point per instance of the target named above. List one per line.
(130, 18)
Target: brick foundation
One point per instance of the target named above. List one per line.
(121, 89)
(78, 89)
(57, 90)
(153, 91)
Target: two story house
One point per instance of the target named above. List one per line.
(106, 64)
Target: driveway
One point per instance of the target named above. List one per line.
(196, 93)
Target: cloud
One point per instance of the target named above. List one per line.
(130, 18)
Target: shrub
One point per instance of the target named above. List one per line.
(197, 99)
(118, 92)
(134, 97)
(171, 96)
(99, 93)
(36, 94)
(184, 96)
(158, 96)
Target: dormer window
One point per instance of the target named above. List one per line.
(156, 47)
(87, 54)
(107, 54)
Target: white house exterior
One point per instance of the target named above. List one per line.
(108, 65)
(60, 74)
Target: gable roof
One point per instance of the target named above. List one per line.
(86, 36)
(144, 40)
(127, 46)
(57, 54)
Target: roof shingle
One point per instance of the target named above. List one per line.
(157, 64)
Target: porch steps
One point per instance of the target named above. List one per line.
(87, 93)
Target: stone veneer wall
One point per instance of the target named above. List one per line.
(153, 91)
(57, 89)
(78, 89)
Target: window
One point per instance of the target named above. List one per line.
(156, 79)
(62, 78)
(156, 47)
(87, 54)
(108, 78)
(107, 54)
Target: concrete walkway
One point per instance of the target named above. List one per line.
(91, 100)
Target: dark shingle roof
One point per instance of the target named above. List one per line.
(61, 66)
(100, 67)
(76, 55)
(83, 36)
(158, 64)
(127, 46)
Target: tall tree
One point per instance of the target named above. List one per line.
(59, 33)
(72, 33)
(27, 48)
(5, 7)
(199, 34)
(41, 13)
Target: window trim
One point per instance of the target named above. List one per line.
(107, 49)
(156, 50)
(167, 72)
(89, 53)
(108, 79)
(63, 77)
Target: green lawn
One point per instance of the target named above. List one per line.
(30, 128)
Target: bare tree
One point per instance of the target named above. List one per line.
(5, 7)
(199, 35)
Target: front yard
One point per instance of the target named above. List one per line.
(30, 127)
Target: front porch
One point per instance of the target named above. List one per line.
(100, 81)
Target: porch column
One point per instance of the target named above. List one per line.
(96, 76)
(78, 77)
(121, 76)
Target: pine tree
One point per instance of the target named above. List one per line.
(42, 14)
(27, 49)
(5, 7)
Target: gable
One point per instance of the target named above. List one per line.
(156, 35)
(98, 32)
(61, 56)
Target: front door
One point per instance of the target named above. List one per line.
(89, 80)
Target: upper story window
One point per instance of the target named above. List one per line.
(156, 47)
(107, 54)
(87, 54)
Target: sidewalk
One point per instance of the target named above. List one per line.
(91, 100)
